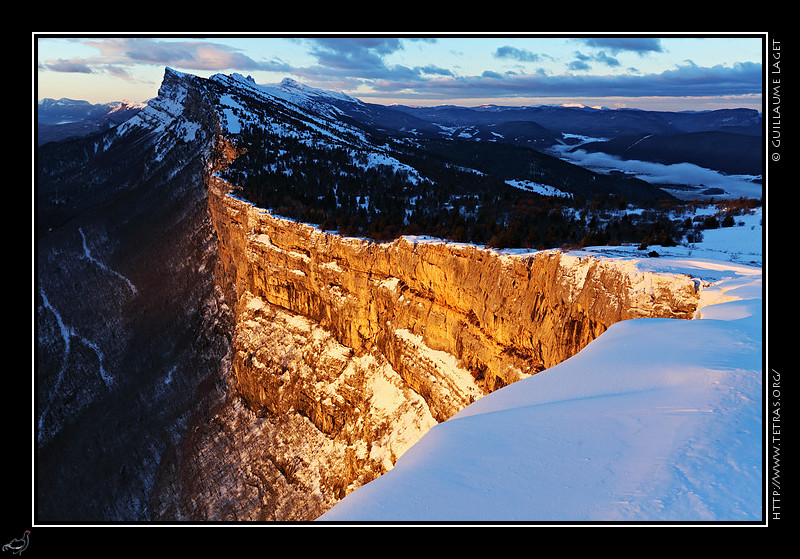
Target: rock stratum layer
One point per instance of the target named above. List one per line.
(346, 351)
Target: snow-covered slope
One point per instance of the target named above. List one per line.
(656, 420)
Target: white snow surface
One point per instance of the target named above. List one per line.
(543, 189)
(656, 420)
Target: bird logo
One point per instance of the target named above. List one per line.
(18, 545)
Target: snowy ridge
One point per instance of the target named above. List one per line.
(164, 118)
(240, 101)
(290, 103)
(288, 109)
(544, 189)
(656, 420)
(302, 94)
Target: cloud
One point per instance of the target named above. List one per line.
(741, 77)
(603, 58)
(358, 55)
(659, 173)
(687, 80)
(514, 53)
(579, 65)
(358, 47)
(433, 70)
(639, 45)
(74, 65)
(364, 64)
(347, 62)
(119, 72)
(189, 55)
(582, 61)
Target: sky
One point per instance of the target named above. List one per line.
(666, 72)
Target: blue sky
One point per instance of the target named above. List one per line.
(663, 73)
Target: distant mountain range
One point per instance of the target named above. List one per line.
(62, 119)
(598, 123)
(725, 140)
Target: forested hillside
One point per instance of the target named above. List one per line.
(453, 190)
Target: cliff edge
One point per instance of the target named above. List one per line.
(347, 351)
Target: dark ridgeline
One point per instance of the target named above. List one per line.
(130, 333)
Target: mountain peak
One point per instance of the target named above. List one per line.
(290, 83)
(293, 86)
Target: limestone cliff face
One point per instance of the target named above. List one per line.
(367, 345)
(501, 316)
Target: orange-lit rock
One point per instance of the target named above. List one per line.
(373, 343)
